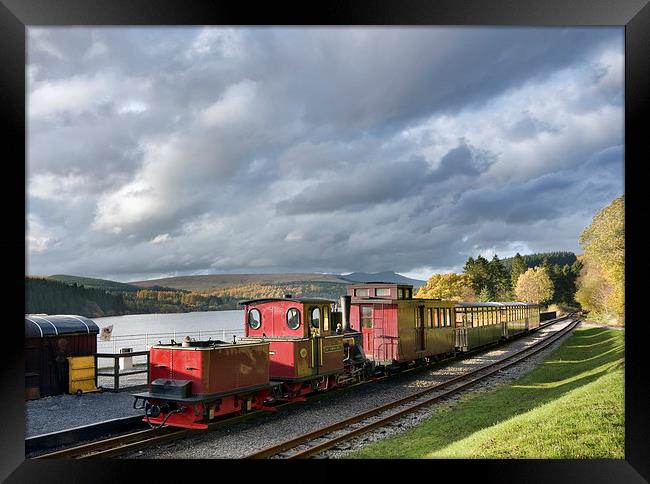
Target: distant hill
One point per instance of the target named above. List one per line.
(221, 281)
(92, 283)
(386, 276)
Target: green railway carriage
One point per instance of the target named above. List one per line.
(482, 323)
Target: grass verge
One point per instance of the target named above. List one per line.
(570, 407)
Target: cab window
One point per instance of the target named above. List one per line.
(293, 318)
(315, 317)
(254, 318)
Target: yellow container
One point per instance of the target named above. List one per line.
(81, 374)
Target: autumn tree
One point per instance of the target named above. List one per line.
(601, 286)
(451, 287)
(534, 285)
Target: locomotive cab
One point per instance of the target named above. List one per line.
(304, 353)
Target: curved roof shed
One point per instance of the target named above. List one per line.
(45, 325)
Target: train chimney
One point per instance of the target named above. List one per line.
(346, 302)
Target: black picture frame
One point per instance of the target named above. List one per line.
(634, 15)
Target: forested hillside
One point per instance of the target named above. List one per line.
(55, 297)
(49, 296)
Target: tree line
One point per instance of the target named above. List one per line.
(53, 297)
(519, 279)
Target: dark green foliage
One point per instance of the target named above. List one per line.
(54, 297)
(495, 280)
(490, 280)
(518, 267)
(533, 260)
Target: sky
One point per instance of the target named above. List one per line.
(156, 152)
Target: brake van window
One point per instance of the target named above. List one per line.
(366, 317)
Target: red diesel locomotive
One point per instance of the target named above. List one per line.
(296, 346)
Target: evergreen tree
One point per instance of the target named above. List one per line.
(478, 271)
(518, 268)
(499, 282)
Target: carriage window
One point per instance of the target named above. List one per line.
(459, 317)
(326, 319)
(293, 318)
(430, 317)
(362, 292)
(436, 318)
(315, 318)
(400, 293)
(407, 294)
(366, 317)
(384, 291)
(448, 316)
(254, 319)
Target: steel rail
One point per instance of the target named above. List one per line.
(113, 446)
(311, 436)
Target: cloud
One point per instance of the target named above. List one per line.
(159, 239)
(194, 150)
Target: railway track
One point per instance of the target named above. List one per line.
(133, 441)
(315, 442)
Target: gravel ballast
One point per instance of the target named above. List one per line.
(242, 438)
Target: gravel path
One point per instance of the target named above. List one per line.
(60, 412)
(240, 439)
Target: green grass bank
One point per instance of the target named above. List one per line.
(570, 407)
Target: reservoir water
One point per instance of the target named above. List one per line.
(140, 331)
(163, 323)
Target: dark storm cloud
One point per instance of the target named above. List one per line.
(162, 150)
(461, 161)
(368, 184)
